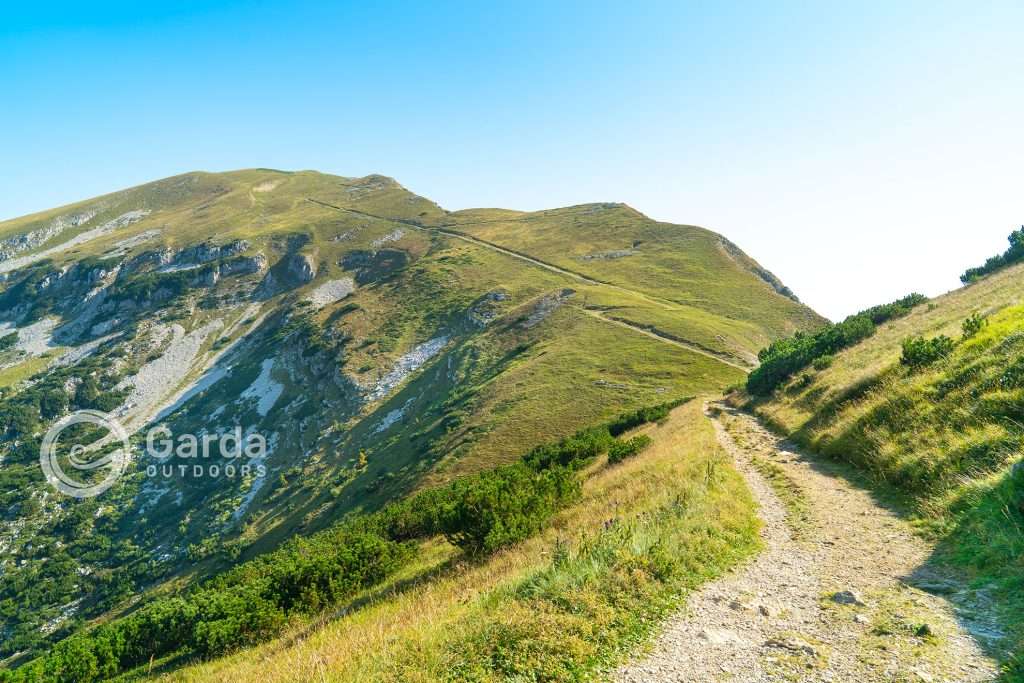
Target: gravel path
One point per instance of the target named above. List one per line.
(829, 599)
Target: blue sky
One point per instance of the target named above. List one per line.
(859, 150)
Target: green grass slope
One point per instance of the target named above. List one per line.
(682, 265)
(946, 435)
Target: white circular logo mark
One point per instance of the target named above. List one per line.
(116, 461)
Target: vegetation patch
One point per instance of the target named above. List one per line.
(620, 450)
(1013, 254)
(594, 602)
(785, 357)
(919, 352)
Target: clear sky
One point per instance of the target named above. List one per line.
(860, 150)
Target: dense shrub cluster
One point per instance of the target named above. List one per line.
(783, 358)
(159, 286)
(620, 450)
(918, 351)
(253, 601)
(243, 606)
(24, 415)
(1013, 254)
(656, 413)
(506, 505)
(29, 294)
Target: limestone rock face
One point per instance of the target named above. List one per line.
(244, 265)
(301, 267)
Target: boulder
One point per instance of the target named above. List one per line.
(847, 598)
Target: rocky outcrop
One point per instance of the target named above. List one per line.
(12, 246)
(769, 278)
(485, 309)
(169, 260)
(294, 270)
(244, 265)
(547, 305)
(608, 255)
(371, 266)
(206, 277)
(300, 267)
(206, 252)
(150, 259)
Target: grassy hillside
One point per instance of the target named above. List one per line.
(944, 433)
(681, 265)
(560, 606)
(377, 344)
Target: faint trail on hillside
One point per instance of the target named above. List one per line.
(651, 333)
(446, 229)
(828, 600)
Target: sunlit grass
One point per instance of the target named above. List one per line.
(566, 603)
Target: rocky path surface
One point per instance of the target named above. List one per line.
(833, 595)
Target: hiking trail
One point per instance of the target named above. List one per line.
(837, 594)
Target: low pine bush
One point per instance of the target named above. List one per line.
(785, 357)
(919, 352)
(506, 505)
(973, 325)
(620, 450)
(1013, 254)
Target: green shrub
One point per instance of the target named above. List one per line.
(574, 451)
(823, 362)
(919, 352)
(234, 618)
(628, 421)
(974, 324)
(620, 450)
(1012, 255)
(507, 505)
(785, 357)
